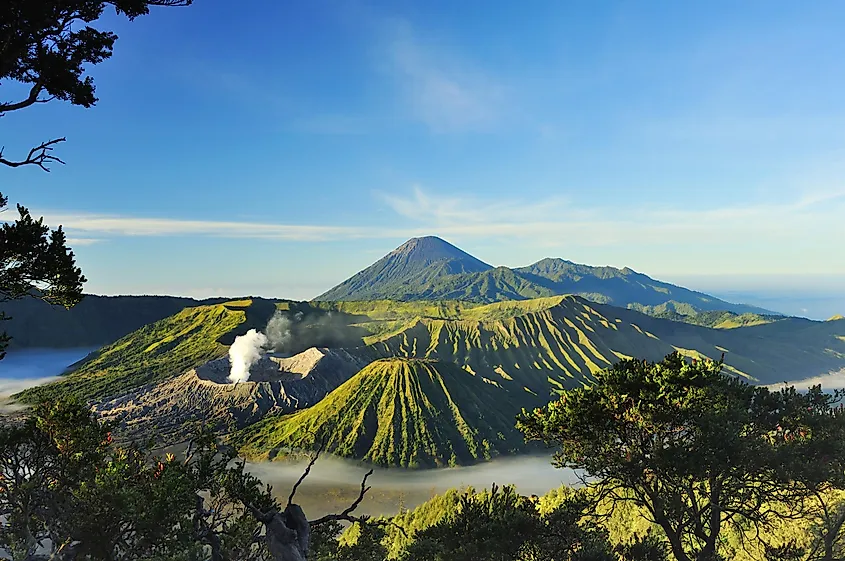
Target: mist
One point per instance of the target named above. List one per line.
(831, 381)
(26, 368)
(294, 333)
(334, 483)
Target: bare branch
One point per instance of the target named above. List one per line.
(306, 472)
(31, 99)
(39, 156)
(345, 515)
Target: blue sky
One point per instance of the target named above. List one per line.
(277, 148)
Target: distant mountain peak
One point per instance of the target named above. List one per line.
(430, 268)
(430, 249)
(415, 263)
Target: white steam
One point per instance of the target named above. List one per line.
(243, 353)
(247, 349)
(278, 331)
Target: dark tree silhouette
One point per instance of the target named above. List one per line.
(46, 45)
(35, 261)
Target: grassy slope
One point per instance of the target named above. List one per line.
(544, 342)
(539, 344)
(156, 351)
(783, 350)
(532, 346)
(623, 287)
(454, 374)
(399, 412)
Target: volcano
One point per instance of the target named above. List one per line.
(277, 385)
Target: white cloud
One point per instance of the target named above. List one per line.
(813, 221)
(766, 237)
(828, 382)
(447, 94)
(441, 209)
(117, 225)
(83, 241)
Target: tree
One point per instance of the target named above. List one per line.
(35, 261)
(501, 525)
(69, 491)
(46, 46)
(697, 449)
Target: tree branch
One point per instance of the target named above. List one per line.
(39, 156)
(31, 99)
(306, 472)
(345, 515)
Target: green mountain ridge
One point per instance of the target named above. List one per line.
(524, 352)
(398, 412)
(515, 353)
(155, 352)
(423, 269)
(430, 268)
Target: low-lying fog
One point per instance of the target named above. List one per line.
(831, 381)
(333, 483)
(25, 368)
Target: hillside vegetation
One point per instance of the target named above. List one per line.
(155, 352)
(433, 359)
(517, 354)
(398, 412)
(544, 343)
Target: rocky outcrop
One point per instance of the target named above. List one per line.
(277, 385)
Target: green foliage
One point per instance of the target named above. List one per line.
(501, 525)
(65, 486)
(698, 449)
(717, 319)
(400, 412)
(154, 352)
(35, 261)
(94, 322)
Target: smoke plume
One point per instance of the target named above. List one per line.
(290, 334)
(243, 353)
(278, 332)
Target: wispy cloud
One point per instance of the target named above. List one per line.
(765, 236)
(446, 93)
(832, 381)
(442, 209)
(810, 217)
(83, 241)
(116, 225)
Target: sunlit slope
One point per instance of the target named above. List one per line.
(157, 351)
(533, 346)
(787, 349)
(417, 263)
(541, 344)
(398, 412)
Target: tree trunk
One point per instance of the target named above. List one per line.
(288, 535)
